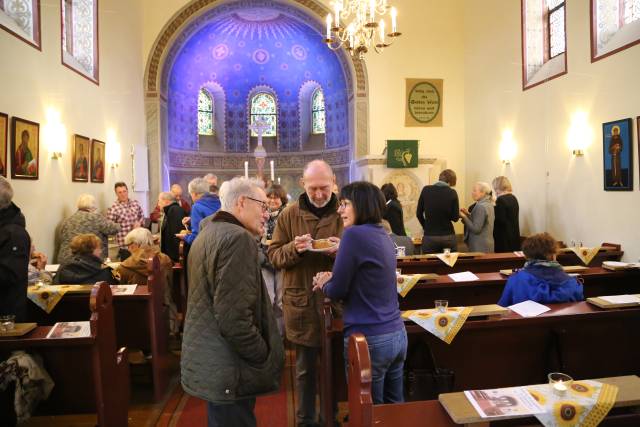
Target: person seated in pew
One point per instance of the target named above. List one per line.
(542, 279)
(37, 263)
(139, 242)
(85, 266)
(399, 241)
(364, 277)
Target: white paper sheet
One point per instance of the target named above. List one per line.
(123, 289)
(621, 299)
(503, 402)
(529, 308)
(465, 276)
(519, 254)
(70, 330)
(51, 268)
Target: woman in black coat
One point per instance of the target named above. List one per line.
(393, 212)
(85, 266)
(506, 229)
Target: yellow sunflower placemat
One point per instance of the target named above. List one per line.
(444, 325)
(585, 403)
(585, 254)
(46, 297)
(406, 282)
(449, 259)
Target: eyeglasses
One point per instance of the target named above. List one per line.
(265, 207)
(344, 204)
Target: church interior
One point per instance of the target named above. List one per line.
(153, 93)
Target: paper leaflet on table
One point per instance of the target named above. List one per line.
(503, 402)
(529, 308)
(70, 330)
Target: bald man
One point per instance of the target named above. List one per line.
(313, 216)
(176, 190)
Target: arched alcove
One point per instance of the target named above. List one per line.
(172, 113)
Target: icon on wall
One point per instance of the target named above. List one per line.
(617, 155)
(80, 159)
(97, 160)
(25, 149)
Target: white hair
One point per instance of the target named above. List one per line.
(198, 186)
(140, 236)
(165, 195)
(238, 187)
(210, 176)
(86, 202)
(484, 187)
(222, 190)
(6, 193)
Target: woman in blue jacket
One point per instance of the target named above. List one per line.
(542, 280)
(364, 277)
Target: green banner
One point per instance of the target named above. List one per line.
(402, 153)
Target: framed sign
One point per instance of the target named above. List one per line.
(97, 161)
(80, 159)
(25, 149)
(617, 155)
(423, 103)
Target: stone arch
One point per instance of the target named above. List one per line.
(155, 90)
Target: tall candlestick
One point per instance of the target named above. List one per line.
(394, 18)
(272, 171)
(246, 169)
(328, 26)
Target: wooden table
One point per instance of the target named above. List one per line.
(492, 262)
(462, 412)
(488, 290)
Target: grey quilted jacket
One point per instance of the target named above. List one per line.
(231, 348)
(82, 222)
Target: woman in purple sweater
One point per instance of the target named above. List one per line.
(364, 277)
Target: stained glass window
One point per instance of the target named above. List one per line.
(556, 29)
(80, 37)
(263, 108)
(205, 113)
(317, 112)
(631, 11)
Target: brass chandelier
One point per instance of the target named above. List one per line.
(364, 31)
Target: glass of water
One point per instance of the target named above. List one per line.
(7, 322)
(441, 305)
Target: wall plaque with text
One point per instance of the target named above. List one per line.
(424, 102)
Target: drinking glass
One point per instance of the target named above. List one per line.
(441, 305)
(559, 382)
(7, 322)
(447, 252)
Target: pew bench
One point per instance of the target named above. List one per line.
(140, 322)
(90, 373)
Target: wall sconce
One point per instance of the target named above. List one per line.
(112, 149)
(507, 147)
(54, 133)
(579, 135)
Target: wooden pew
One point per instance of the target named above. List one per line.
(577, 338)
(488, 290)
(180, 288)
(487, 263)
(362, 411)
(451, 409)
(140, 319)
(90, 374)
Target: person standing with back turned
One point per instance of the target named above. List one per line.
(438, 206)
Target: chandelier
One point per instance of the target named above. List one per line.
(364, 31)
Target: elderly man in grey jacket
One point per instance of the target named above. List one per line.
(231, 349)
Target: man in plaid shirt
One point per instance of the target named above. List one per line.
(127, 213)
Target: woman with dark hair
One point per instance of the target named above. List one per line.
(364, 277)
(393, 211)
(542, 279)
(278, 199)
(85, 266)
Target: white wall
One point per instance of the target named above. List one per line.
(557, 192)
(34, 81)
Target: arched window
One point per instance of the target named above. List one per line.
(263, 107)
(205, 113)
(317, 112)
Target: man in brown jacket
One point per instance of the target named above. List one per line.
(313, 216)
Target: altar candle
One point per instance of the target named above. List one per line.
(394, 17)
(278, 180)
(246, 169)
(560, 388)
(328, 26)
(272, 171)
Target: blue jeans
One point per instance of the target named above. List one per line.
(387, 353)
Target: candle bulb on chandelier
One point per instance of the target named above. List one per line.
(272, 171)
(372, 10)
(328, 26)
(246, 169)
(394, 18)
(382, 31)
(337, 14)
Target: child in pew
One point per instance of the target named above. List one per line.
(542, 280)
(364, 277)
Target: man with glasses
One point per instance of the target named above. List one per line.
(313, 216)
(231, 348)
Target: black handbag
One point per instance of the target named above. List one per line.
(425, 382)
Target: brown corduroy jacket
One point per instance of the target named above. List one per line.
(301, 305)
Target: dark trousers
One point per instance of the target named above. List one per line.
(436, 244)
(306, 384)
(237, 414)
(123, 253)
